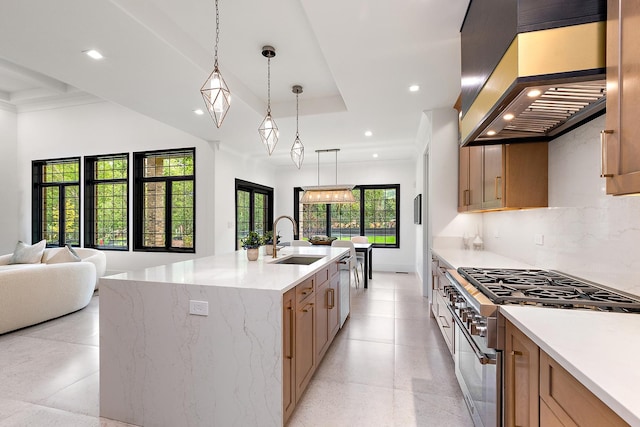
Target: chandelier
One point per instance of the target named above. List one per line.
(328, 193)
(215, 91)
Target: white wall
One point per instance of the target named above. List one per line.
(586, 232)
(380, 171)
(9, 194)
(103, 128)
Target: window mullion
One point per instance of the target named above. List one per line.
(168, 226)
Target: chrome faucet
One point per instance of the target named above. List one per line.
(275, 232)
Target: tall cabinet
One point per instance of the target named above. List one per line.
(620, 140)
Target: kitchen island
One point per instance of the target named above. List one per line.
(199, 342)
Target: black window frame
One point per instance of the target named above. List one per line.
(89, 199)
(362, 188)
(252, 188)
(138, 200)
(36, 200)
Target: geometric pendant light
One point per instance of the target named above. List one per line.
(297, 149)
(214, 91)
(268, 129)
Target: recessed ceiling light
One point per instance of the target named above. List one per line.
(491, 132)
(414, 88)
(93, 54)
(375, 155)
(198, 112)
(508, 116)
(368, 133)
(533, 93)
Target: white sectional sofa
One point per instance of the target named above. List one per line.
(34, 293)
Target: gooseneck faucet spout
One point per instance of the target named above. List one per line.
(275, 232)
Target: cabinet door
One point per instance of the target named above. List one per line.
(493, 177)
(621, 153)
(322, 313)
(526, 177)
(333, 314)
(520, 379)
(288, 352)
(305, 353)
(475, 178)
(464, 193)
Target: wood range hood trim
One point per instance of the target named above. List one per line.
(569, 58)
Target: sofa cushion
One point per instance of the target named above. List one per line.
(64, 254)
(28, 254)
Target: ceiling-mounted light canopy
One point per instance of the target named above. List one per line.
(268, 129)
(328, 193)
(215, 91)
(297, 149)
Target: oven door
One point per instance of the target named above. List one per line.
(478, 372)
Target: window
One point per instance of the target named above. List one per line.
(254, 209)
(106, 202)
(375, 215)
(56, 201)
(164, 200)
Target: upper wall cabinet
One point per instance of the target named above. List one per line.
(621, 139)
(509, 176)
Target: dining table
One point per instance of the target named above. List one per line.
(366, 248)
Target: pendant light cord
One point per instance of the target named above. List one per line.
(215, 50)
(297, 134)
(268, 86)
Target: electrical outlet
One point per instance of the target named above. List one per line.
(538, 239)
(199, 308)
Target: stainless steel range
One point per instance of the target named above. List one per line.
(474, 295)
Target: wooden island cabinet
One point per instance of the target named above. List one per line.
(311, 320)
(540, 392)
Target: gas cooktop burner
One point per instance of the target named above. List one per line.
(547, 288)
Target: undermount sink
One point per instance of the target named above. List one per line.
(299, 260)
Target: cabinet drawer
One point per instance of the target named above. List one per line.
(570, 401)
(322, 276)
(333, 269)
(305, 289)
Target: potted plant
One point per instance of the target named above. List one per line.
(267, 238)
(251, 243)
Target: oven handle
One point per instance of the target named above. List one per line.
(482, 358)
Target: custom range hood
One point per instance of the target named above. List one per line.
(531, 69)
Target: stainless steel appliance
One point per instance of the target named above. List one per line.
(345, 287)
(474, 295)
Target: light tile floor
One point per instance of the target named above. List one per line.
(388, 366)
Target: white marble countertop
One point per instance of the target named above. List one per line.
(234, 270)
(482, 259)
(599, 349)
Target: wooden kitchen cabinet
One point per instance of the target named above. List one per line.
(507, 176)
(567, 402)
(444, 318)
(310, 322)
(540, 392)
(520, 379)
(288, 352)
(621, 145)
(305, 348)
(327, 315)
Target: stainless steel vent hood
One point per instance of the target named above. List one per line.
(548, 81)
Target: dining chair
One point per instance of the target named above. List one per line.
(353, 263)
(300, 243)
(361, 255)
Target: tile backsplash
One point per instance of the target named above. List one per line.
(584, 232)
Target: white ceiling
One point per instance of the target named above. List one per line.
(355, 60)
